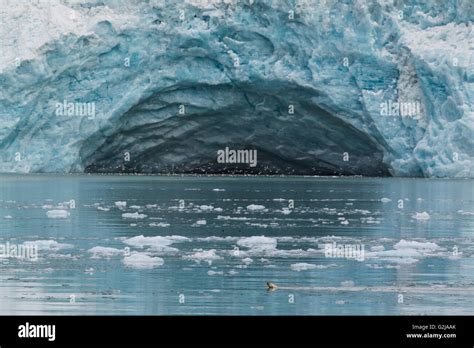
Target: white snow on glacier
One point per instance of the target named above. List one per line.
(172, 82)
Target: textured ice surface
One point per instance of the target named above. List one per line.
(142, 260)
(235, 68)
(106, 252)
(57, 214)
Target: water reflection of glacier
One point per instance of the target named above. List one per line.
(208, 245)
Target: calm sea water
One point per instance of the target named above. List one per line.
(208, 245)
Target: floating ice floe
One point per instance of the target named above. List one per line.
(288, 239)
(362, 211)
(206, 207)
(201, 222)
(217, 239)
(103, 209)
(462, 212)
(136, 207)
(425, 246)
(385, 200)
(235, 218)
(218, 190)
(326, 239)
(211, 272)
(258, 308)
(405, 252)
(395, 253)
(158, 243)
(421, 216)
(135, 215)
(377, 266)
(47, 244)
(255, 207)
(89, 270)
(159, 224)
(8, 217)
(347, 283)
(60, 256)
(203, 255)
(369, 220)
(247, 261)
(257, 224)
(344, 222)
(286, 253)
(258, 242)
(120, 204)
(57, 214)
(104, 252)
(142, 261)
(302, 266)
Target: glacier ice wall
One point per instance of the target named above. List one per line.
(172, 82)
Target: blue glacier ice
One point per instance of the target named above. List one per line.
(301, 81)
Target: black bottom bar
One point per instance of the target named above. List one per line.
(150, 331)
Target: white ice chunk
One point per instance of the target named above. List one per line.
(142, 261)
(203, 255)
(258, 242)
(255, 207)
(135, 215)
(421, 216)
(424, 246)
(247, 260)
(105, 252)
(47, 244)
(57, 214)
(302, 266)
(159, 224)
(211, 272)
(156, 241)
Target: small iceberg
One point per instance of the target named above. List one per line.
(135, 215)
(421, 216)
(57, 214)
(121, 204)
(142, 261)
(302, 266)
(255, 207)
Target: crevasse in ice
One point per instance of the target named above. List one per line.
(313, 86)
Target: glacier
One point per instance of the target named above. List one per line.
(301, 81)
